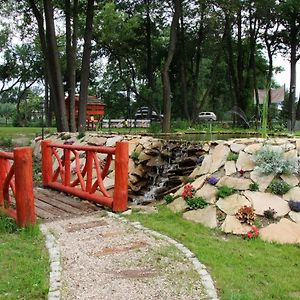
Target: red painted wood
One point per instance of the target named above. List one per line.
(121, 177)
(24, 186)
(4, 168)
(46, 162)
(67, 163)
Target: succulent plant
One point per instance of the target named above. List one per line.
(246, 214)
(294, 205)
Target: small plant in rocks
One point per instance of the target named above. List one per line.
(252, 233)
(232, 156)
(253, 186)
(193, 202)
(270, 213)
(225, 191)
(246, 215)
(270, 160)
(80, 135)
(134, 155)
(294, 205)
(212, 180)
(279, 187)
(168, 198)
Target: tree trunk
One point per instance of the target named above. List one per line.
(85, 66)
(71, 45)
(55, 68)
(165, 72)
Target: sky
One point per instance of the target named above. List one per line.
(284, 77)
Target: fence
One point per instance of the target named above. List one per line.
(83, 184)
(16, 185)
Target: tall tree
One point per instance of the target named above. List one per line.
(165, 71)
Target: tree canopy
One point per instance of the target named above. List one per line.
(177, 57)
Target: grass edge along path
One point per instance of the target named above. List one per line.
(24, 262)
(242, 269)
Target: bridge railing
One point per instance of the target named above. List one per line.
(16, 185)
(86, 180)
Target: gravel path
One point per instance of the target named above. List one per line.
(106, 258)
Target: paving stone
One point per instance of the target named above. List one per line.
(292, 194)
(261, 179)
(244, 162)
(232, 225)
(178, 205)
(208, 192)
(234, 147)
(231, 204)
(290, 179)
(252, 148)
(230, 168)
(264, 201)
(295, 216)
(111, 142)
(234, 182)
(218, 157)
(284, 232)
(199, 182)
(205, 216)
(205, 167)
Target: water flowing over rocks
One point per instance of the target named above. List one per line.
(159, 167)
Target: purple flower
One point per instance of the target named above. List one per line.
(212, 180)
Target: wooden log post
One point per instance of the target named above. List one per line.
(47, 168)
(121, 177)
(24, 186)
(3, 172)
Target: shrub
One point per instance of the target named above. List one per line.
(168, 198)
(225, 191)
(294, 205)
(270, 213)
(253, 187)
(6, 141)
(279, 187)
(154, 128)
(134, 155)
(270, 160)
(246, 214)
(196, 202)
(232, 156)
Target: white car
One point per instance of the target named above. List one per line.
(207, 116)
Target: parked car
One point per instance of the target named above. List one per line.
(145, 112)
(207, 116)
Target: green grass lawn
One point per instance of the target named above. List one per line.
(24, 265)
(242, 269)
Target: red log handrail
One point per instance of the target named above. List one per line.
(84, 186)
(16, 181)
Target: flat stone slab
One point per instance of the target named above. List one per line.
(233, 225)
(261, 179)
(252, 148)
(218, 157)
(292, 194)
(205, 167)
(237, 183)
(284, 232)
(290, 179)
(264, 201)
(178, 205)
(208, 192)
(199, 182)
(234, 147)
(230, 168)
(111, 142)
(231, 204)
(295, 216)
(244, 162)
(206, 216)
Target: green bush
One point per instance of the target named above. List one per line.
(6, 141)
(168, 198)
(253, 187)
(279, 187)
(232, 156)
(196, 202)
(154, 128)
(225, 191)
(270, 160)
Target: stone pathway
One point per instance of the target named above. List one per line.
(104, 257)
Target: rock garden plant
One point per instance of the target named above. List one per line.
(294, 205)
(252, 233)
(193, 202)
(224, 191)
(246, 215)
(269, 160)
(279, 187)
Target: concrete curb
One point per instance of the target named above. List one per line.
(55, 266)
(206, 279)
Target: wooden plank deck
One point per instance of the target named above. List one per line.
(51, 205)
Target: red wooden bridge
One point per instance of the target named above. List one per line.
(20, 201)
